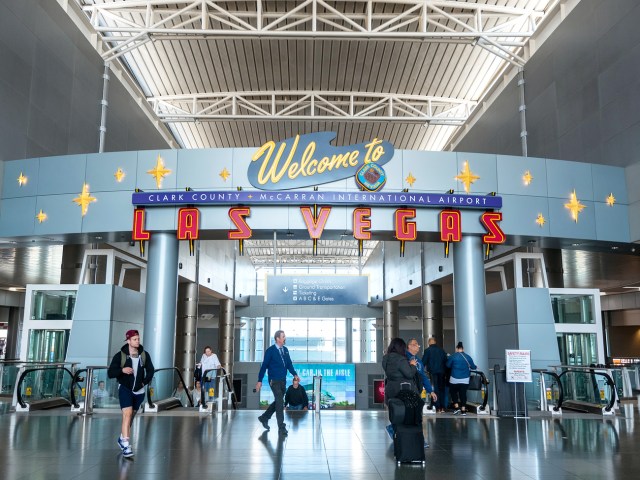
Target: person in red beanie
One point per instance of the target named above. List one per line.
(133, 369)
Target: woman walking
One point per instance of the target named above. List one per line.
(461, 365)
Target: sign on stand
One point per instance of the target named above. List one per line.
(518, 366)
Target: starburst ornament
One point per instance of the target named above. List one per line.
(159, 172)
(410, 179)
(611, 200)
(574, 206)
(527, 177)
(119, 175)
(467, 177)
(22, 180)
(225, 174)
(41, 216)
(84, 199)
(541, 220)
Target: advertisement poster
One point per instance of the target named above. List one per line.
(518, 365)
(338, 385)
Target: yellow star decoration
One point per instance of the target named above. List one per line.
(467, 177)
(225, 174)
(22, 180)
(527, 177)
(541, 220)
(410, 179)
(41, 216)
(119, 175)
(159, 172)
(574, 206)
(611, 200)
(84, 199)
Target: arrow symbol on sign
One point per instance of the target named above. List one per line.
(285, 289)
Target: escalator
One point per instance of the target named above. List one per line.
(588, 390)
(44, 386)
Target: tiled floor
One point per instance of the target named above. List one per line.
(329, 445)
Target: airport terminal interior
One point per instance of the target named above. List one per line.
(210, 173)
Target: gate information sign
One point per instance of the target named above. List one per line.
(317, 290)
(518, 365)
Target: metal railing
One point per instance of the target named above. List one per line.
(549, 392)
(223, 380)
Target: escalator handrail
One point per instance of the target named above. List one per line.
(234, 400)
(592, 370)
(177, 370)
(560, 388)
(203, 400)
(485, 381)
(19, 398)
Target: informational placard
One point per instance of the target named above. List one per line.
(317, 290)
(518, 366)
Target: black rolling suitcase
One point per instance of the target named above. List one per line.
(408, 444)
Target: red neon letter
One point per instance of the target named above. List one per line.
(405, 231)
(139, 233)
(188, 224)
(315, 226)
(494, 232)
(237, 215)
(450, 226)
(362, 224)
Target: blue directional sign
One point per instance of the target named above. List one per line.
(317, 290)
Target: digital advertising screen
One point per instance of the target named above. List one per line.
(378, 391)
(338, 385)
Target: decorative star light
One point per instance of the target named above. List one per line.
(410, 179)
(41, 216)
(119, 175)
(541, 220)
(527, 177)
(84, 199)
(225, 174)
(574, 206)
(159, 172)
(611, 200)
(467, 177)
(22, 180)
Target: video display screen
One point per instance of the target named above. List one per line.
(338, 385)
(378, 391)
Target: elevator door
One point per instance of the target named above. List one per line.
(48, 345)
(577, 349)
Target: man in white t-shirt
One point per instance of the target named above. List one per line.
(134, 370)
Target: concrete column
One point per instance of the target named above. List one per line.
(348, 336)
(226, 334)
(469, 299)
(186, 329)
(160, 307)
(432, 314)
(390, 322)
(13, 333)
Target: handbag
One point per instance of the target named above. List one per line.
(475, 381)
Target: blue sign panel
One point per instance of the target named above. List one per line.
(310, 159)
(338, 385)
(317, 290)
(435, 200)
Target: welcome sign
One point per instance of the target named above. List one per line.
(310, 159)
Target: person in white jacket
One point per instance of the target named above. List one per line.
(209, 361)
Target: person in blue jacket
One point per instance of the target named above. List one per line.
(461, 365)
(276, 361)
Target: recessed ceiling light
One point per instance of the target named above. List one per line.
(614, 248)
(576, 244)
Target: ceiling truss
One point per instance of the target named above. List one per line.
(311, 105)
(129, 24)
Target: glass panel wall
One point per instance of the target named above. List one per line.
(53, 304)
(578, 348)
(573, 308)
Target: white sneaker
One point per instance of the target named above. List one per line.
(127, 452)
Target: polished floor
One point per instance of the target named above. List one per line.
(330, 445)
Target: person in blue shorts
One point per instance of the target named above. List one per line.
(133, 368)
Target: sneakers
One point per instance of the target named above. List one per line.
(426, 444)
(464, 413)
(125, 447)
(457, 411)
(283, 431)
(264, 422)
(390, 431)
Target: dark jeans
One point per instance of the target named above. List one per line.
(278, 387)
(439, 385)
(458, 393)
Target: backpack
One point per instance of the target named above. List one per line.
(123, 358)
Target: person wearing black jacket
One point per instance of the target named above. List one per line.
(133, 368)
(435, 361)
(296, 397)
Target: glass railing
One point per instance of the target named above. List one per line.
(587, 389)
(167, 383)
(9, 376)
(103, 390)
(39, 383)
(544, 393)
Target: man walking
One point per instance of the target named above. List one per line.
(435, 361)
(134, 370)
(276, 361)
